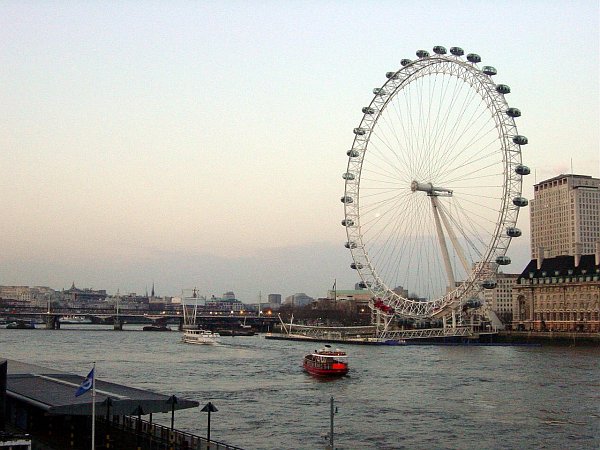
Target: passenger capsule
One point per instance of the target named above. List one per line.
(368, 110)
(513, 112)
(347, 222)
(520, 140)
(502, 89)
(489, 70)
(352, 153)
(359, 131)
(502, 260)
(364, 284)
(379, 91)
(520, 201)
(522, 170)
(350, 244)
(346, 199)
(393, 75)
(405, 62)
(457, 51)
(472, 303)
(356, 266)
(422, 53)
(489, 284)
(439, 50)
(513, 232)
(473, 57)
(348, 176)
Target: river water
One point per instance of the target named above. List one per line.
(403, 397)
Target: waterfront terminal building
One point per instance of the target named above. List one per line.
(559, 290)
(559, 294)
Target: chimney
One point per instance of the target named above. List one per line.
(597, 259)
(578, 246)
(540, 257)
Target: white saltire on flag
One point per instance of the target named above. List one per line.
(86, 385)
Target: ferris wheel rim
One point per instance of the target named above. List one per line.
(497, 106)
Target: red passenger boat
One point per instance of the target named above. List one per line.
(326, 362)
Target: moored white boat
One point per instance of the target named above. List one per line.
(200, 337)
(73, 320)
(192, 334)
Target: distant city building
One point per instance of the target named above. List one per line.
(356, 300)
(298, 300)
(565, 216)
(274, 299)
(355, 294)
(224, 304)
(75, 296)
(35, 296)
(559, 294)
(130, 301)
(401, 291)
(157, 302)
(500, 299)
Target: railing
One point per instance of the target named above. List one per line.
(329, 332)
(157, 436)
(368, 333)
(166, 313)
(424, 333)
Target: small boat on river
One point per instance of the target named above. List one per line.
(235, 332)
(156, 328)
(192, 332)
(200, 337)
(20, 325)
(326, 362)
(74, 320)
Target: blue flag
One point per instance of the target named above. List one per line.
(86, 385)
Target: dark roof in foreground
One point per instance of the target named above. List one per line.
(54, 392)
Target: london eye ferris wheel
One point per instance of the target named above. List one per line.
(433, 185)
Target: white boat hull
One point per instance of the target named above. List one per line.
(200, 337)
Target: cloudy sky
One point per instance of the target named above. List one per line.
(202, 143)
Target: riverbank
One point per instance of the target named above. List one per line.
(512, 338)
(547, 338)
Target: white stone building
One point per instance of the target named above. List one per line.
(565, 216)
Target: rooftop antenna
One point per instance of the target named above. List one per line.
(572, 166)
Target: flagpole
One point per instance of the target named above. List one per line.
(94, 408)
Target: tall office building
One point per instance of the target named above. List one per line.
(565, 216)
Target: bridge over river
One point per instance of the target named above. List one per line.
(222, 320)
(119, 318)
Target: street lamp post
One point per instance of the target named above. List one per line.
(209, 407)
(172, 401)
(332, 411)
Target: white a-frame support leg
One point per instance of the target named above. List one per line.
(442, 242)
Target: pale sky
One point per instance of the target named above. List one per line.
(202, 143)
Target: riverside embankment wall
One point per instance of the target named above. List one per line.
(548, 338)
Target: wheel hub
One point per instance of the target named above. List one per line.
(430, 189)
